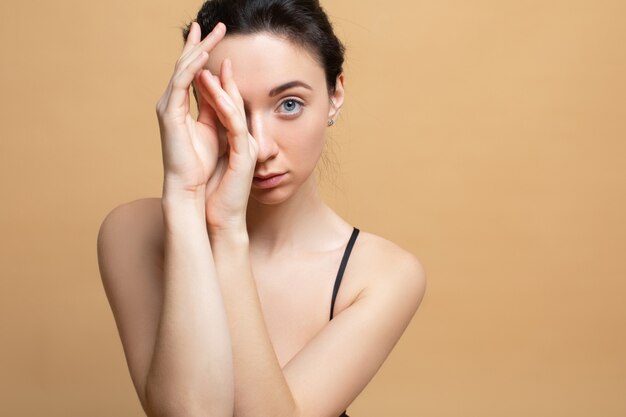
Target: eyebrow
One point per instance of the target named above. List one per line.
(287, 86)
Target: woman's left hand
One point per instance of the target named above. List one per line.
(228, 188)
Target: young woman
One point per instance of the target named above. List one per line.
(221, 288)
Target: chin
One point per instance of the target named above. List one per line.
(282, 192)
(270, 197)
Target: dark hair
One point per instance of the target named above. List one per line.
(302, 22)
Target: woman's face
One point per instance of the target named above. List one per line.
(288, 124)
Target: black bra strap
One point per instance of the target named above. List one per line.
(342, 267)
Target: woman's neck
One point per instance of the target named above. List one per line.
(301, 223)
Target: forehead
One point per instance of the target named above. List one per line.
(261, 61)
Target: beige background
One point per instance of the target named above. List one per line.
(487, 137)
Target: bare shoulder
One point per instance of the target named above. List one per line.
(135, 226)
(387, 283)
(129, 248)
(383, 251)
(143, 214)
(130, 233)
(382, 263)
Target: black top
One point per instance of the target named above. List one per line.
(342, 267)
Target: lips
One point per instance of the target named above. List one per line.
(266, 176)
(268, 181)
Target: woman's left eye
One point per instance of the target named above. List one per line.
(291, 105)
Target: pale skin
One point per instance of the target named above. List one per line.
(221, 290)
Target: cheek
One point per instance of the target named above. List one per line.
(308, 142)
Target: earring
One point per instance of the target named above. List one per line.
(331, 122)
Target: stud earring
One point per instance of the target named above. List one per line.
(331, 122)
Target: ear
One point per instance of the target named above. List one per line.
(336, 100)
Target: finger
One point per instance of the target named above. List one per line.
(206, 45)
(207, 114)
(190, 59)
(189, 56)
(229, 115)
(208, 110)
(179, 87)
(230, 86)
(193, 37)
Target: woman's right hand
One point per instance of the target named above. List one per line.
(190, 147)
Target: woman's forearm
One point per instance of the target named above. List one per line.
(261, 388)
(191, 372)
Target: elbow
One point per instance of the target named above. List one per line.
(295, 410)
(158, 402)
(155, 403)
(168, 401)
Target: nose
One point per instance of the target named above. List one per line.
(268, 148)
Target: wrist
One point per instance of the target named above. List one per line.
(174, 195)
(176, 188)
(232, 234)
(183, 208)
